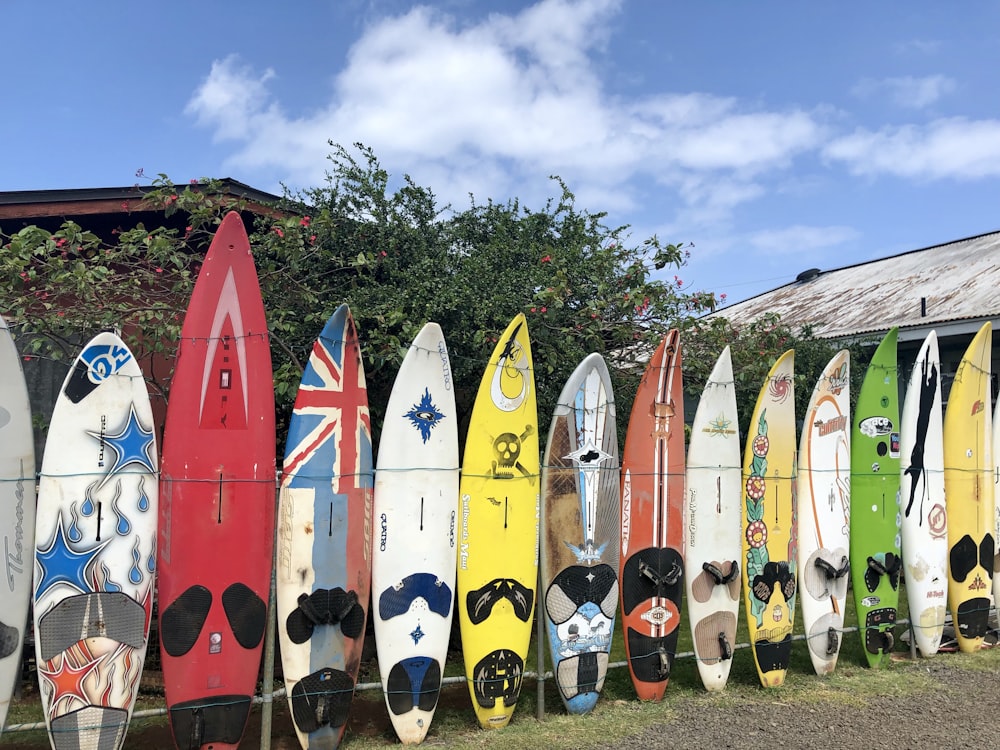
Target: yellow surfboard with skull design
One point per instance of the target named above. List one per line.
(769, 537)
(498, 529)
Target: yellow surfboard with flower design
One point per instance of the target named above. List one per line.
(769, 542)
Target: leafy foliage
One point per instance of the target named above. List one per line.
(396, 256)
(754, 348)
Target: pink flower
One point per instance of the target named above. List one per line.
(547, 259)
(159, 270)
(545, 309)
(312, 239)
(60, 242)
(305, 221)
(277, 231)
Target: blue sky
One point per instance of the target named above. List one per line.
(774, 136)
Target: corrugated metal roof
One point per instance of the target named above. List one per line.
(950, 283)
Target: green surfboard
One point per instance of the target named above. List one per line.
(876, 565)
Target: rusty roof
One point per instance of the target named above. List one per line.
(956, 285)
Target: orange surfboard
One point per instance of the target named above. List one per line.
(651, 564)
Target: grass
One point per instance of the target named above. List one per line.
(618, 714)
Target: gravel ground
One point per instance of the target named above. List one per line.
(954, 706)
(947, 715)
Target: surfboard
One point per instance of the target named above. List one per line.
(875, 511)
(580, 534)
(823, 512)
(416, 506)
(770, 572)
(324, 535)
(217, 500)
(925, 519)
(995, 460)
(651, 562)
(95, 539)
(968, 487)
(498, 542)
(17, 513)
(712, 547)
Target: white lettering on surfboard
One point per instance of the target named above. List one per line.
(464, 548)
(626, 510)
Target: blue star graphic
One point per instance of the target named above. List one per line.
(417, 634)
(133, 445)
(424, 416)
(60, 563)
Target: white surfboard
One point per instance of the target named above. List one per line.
(95, 544)
(924, 517)
(17, 514)
(414, 556)
(712, 545)
(823, 496)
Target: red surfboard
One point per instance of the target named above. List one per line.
(217, 490)
(652, 502)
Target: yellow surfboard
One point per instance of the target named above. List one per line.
(968, 489)
(498, 529)
(769, 542)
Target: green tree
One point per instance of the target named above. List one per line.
(390, 251)
(754, 348)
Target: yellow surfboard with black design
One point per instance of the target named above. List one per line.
(968, 491)
(769, 542)
(498, 529)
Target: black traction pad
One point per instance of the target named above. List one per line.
(579, 584)
(109, 723)
(963, 558)
(322, 698)
(646, 655)
(246, 612)
(220, 718)
(875, 571)
(325, 607)
(987, 550)
(772, 655)
(498, 675)
(181, 622)
(413, 683)
(877, 621)
(652, 572)
(479, 603)
(974, 617)
(98, 615)
(581, 674)
(9, 639)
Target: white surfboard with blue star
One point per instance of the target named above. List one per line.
(416, 522)
(95, 544)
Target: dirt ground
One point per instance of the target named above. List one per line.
(949, 715)
(945, 714)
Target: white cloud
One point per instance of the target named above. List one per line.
(231, 99)
(799, 238)
(907, 91)
(951, 148)
(496, 106)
